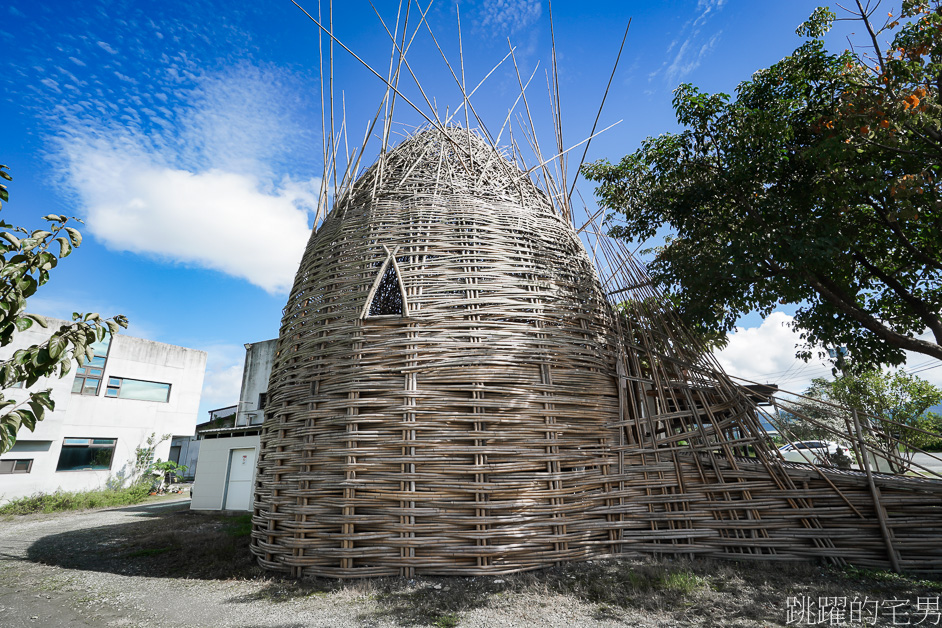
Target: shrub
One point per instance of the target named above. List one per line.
(75, 500)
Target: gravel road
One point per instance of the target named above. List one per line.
(35, 594)
(159, 564)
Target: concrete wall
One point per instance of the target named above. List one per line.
(96, 416)
(258, 361)
(209, 488)
(189, 453)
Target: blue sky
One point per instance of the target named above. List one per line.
(188, 135)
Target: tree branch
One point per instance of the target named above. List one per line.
(918, 306)
(926, 259)
(836, 297)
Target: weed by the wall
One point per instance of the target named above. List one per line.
(75, 500)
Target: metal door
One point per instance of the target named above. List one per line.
(239, 483)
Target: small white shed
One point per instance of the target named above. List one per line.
(225, 475)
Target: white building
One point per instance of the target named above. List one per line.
(105, 411)
(254, 394)
(225, 474)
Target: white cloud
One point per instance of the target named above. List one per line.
(222, 383)
(690, 47)
(689, 58)
(222, 220)
(206, 182)
(766, 354)
(104, 46)
(924, 366)
(505, 17)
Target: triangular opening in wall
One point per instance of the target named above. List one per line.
(387, 301)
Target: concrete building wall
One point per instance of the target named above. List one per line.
(97, 416)
(188, 453)
(209, 487)
(258, 362)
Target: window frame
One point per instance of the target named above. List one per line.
(90, 443)
(82, 374)
(14, 462)
(117, 388)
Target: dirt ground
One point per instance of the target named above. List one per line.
(161, 565)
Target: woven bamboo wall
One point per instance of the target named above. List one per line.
(471, 435)
(509, 418)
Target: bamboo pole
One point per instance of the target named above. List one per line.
(877, 504)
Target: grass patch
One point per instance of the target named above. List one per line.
(684, 582)
(78, 500)
(888, 577)
(446, 621)
(239, 526)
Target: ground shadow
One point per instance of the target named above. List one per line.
(166, 541)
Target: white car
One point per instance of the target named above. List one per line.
(820, 452)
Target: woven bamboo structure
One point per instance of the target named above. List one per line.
(456, 391)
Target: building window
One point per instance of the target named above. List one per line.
(86, 454)
(125, 388)
(16, 466)
(88, 377)
(262, 400)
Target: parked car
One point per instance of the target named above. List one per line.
(820, 452)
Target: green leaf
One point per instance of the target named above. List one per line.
(41, 321)
(41, 359)
(74, 235)
(9, 237)
(12, 421)
(65, 248)
(37, 414)
(57, 345)
(5, 175)
(22, 324)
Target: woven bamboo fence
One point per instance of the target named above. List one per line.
(457, 390)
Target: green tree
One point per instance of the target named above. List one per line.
(819, 184)
(26, 259)
(813, 417)
(892, 412)
(895, 404)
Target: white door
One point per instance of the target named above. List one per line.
(241, 473)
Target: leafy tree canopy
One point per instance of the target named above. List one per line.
(819, 184)
(26, 259)
(895, 404)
